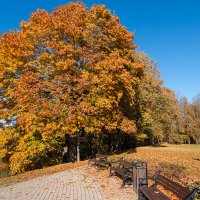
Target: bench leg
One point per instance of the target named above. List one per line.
(99, 167)
(111, 173)
(141, 196)
(123, 183)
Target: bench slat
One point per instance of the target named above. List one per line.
(170, 185)
(119, 171)
(153, 194)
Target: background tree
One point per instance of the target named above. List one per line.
(190, 120)
(170, 111)
(149, 92)
(157, 108)
(196, 117)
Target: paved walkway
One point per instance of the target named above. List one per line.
(84, 183)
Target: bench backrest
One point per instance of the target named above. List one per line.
(98, 155)
(126, 164)
(174, 187)
(101, 156)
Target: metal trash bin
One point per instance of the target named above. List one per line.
(139, 171)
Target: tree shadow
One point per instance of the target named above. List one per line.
(130, 151)
(159, 145)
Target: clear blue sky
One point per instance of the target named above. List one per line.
(168, 30)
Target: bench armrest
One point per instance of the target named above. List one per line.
(127, 168)
(154, 178)
(192, 194)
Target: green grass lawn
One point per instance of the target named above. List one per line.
(195, 147)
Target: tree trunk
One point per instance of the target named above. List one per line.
(78, 151)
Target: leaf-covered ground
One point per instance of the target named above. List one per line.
(179, 162)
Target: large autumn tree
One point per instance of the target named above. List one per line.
(71, 68)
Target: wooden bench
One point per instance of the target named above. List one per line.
(101, 160)
(152, 193)
(122, 169)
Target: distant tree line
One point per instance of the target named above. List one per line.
(162, 117)
(79, 68)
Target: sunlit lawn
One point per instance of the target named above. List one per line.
(188, 146)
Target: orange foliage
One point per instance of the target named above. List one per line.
(64, 70)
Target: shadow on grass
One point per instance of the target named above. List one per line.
(159, 145)
(130, 151)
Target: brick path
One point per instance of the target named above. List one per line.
(84, 183)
